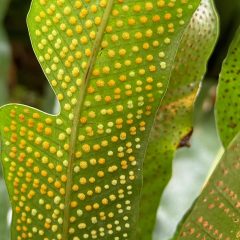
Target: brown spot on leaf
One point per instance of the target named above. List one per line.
(185, 141)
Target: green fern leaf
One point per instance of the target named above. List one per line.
(173, 126)
(78, 175)
(228, 95)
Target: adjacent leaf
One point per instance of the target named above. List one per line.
(215, 214)
(173, 126)
(78, 175)
(228, 95)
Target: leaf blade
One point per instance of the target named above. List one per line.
(227, 110)
(116, 114)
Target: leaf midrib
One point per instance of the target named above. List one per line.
(76, 113)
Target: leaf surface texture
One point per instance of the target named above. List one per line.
(228, 94)
(78, 175)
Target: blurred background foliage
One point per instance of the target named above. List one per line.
(22, 81)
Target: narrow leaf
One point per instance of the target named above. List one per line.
(228, 94)
(173, 126)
